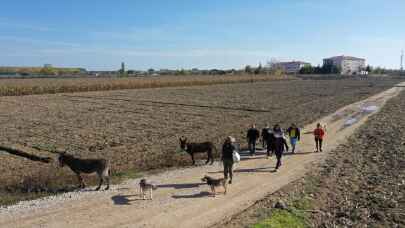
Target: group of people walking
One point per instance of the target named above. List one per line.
(273, 140)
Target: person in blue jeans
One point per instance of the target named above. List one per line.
(295, 135)
(252, 135)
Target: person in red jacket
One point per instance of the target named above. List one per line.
(319, 134)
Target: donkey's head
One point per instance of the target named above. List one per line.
(183, 143)
(62, 158)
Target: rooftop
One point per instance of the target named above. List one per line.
(345, 58)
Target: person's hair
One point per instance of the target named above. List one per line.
(318, 125)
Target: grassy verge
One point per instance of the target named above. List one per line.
(298, 212)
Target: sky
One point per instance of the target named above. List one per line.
(205, 34)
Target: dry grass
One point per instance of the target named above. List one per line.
(19, 87)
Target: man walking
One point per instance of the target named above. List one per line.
(270, 142)
(265, 134)
(252, 136)
(294, 134)
(279, 144)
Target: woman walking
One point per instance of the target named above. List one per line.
(319, 134)
(227, 157)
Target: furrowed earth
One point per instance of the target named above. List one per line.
(138, 130)
(360, 184)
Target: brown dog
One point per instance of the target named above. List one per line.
(213, 183)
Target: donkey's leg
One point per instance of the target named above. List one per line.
(81, 182)
(107, 178)
(101, 179)
(211, 157)
(192, 158)
(208, 156)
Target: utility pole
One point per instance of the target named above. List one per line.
(401, 71)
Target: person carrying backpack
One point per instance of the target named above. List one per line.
(252, 136)
(294, 134)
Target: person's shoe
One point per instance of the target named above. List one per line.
(230, 181)
(321, 150)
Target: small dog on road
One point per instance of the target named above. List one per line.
(213, 183)
(144, 186)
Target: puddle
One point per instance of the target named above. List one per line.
(370, 108)
(350, 122)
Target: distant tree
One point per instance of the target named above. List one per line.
(369, 68)
(48, 71)
(318, 70)
(259, 69)
(329, 69)
(307, 69)
(248, 69)
(151, 71)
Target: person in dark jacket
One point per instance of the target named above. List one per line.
(265, 135)
(279, 144)
(252, 136)
(295, 135)
(227, 157)
(270, 142)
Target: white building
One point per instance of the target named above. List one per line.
(346, 64)
(292, 67)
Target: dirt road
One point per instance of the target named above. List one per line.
(181, 199)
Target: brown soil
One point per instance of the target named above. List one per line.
(181, 200)
(139, 129)
(360, 184)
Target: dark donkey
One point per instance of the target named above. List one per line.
(78, 166)
(192, 148)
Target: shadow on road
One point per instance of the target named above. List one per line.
(255, 170)
(124, 199)
(180, 186)
(192, 196)
(298, 153)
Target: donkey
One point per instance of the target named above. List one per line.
(78, 166)
(192, 148)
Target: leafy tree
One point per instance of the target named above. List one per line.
(369, 68)
(48, 71)
(330, 69)
(248, 69)
(307, 69)
(259, 69)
